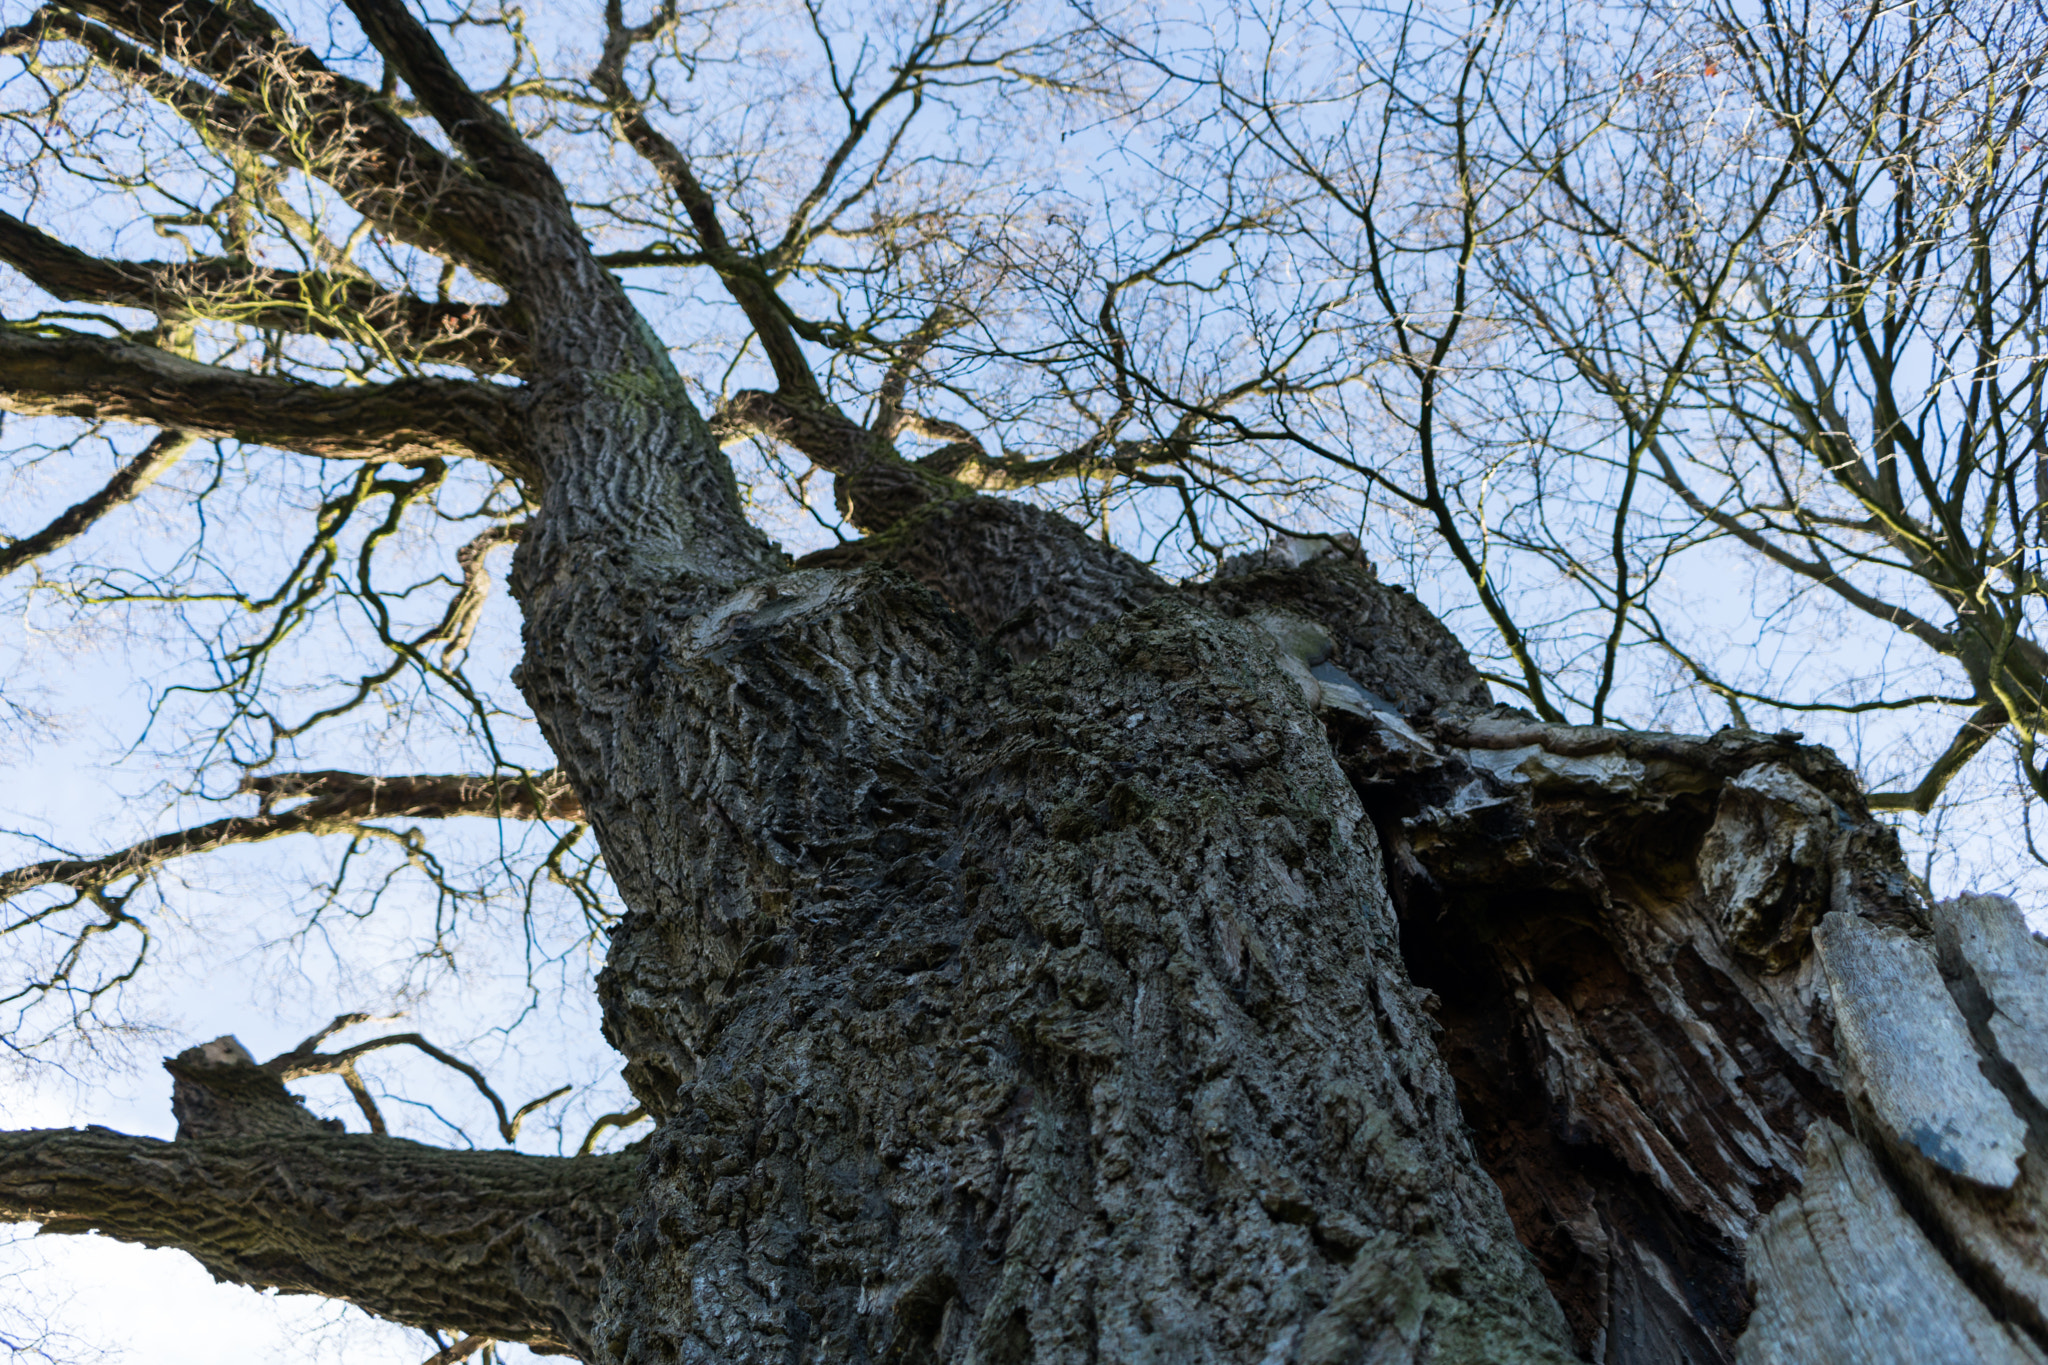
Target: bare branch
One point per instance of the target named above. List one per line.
(71, 374)
(459, 1351)
(479, 130)
(606, 1122)
(334, 802)
(1975, 733)
(459, 623)
(301, 1062)
(476, 335)
(135, 476)
(259, 90)
(744, 279)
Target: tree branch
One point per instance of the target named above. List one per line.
(71, 374)
(475, 335)
(472, 125)
(876, 486)
(495, 1244)
(269, 95)
(744, 279)
(1975, 733)
(135, 476)
(333, 802)
(965, 460)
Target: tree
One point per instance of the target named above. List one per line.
(1799, 270)
(1024, 956)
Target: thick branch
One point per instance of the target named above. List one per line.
(544, 796)
(489, 1243)
(480, 131)
(876, 486)
(334, 802)
(475, 335)
(965, 460)
(270, 96)
(1026, 578)
(75, 375)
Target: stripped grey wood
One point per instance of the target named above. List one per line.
(1844, 1274)
(1984, 940)
(1909, 1052)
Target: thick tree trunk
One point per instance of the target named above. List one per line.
(1027, 960)
(1231, 982)
(1009, 1015)
(1069, 1010)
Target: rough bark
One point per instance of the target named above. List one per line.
(1228, 983)
(1055, 1015)
(75, 375)
(494, 1243)
(262, 1193)
(1025, 579)
(944, 936)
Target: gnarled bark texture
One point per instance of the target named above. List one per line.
(1068, 966)
(1138, 1002)
(261, 1193)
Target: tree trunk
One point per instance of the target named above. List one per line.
(1143, 1001)
(1026, 960)
(1010, 1015)
(1231, 982)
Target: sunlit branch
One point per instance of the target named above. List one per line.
(347, 308)
(331, 802)
(457, 1351)
(1975, 733)
(459, 623)
(252, 87)
(72, 374)
(606, 1122)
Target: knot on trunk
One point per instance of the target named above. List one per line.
(880, 490)
(1766, 863)
(218, 1090)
